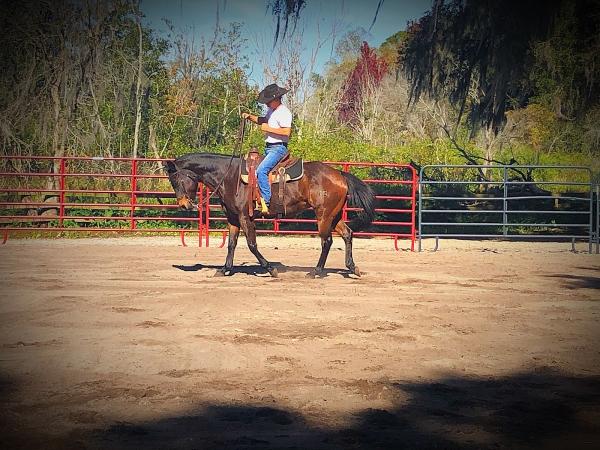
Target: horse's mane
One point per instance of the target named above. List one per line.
(205, 160)
(202, 156)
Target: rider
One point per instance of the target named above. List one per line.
(277, 125)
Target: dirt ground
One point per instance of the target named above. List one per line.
(130, 343)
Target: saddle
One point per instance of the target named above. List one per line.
(287, 169)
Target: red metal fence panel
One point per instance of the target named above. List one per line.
(54, 194)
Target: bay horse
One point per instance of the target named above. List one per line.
(322, 188)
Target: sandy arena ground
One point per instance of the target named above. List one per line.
(130, 343)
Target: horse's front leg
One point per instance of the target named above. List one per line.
(234, 233)
(250, 232)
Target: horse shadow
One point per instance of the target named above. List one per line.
(256, 270)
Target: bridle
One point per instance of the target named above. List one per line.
(195, 180)
(237, 150)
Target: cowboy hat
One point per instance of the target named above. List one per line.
(271, 92)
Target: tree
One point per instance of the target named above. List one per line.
(360, 95)
(484, 46)
(289, 64)
(284, 10)
(349, 46)
(77, 78)
(393, 48)
(140, 72)
(208, 88)
(565, 75)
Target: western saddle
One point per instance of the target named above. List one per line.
(286, 170)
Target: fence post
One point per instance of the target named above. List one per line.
(345, 168)
(598, 219)
(61, 194)
(412, 207)
(505, 201)
(133, 193)
(207, 217)
(591, 235)
(420, 205)
(200, 202)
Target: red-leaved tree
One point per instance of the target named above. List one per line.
(360, 85)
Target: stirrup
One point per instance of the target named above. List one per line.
(264, 208)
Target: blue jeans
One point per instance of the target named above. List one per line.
(273, 154)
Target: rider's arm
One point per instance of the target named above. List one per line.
(252, 118)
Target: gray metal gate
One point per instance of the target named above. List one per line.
(597, 232)
(503, 201)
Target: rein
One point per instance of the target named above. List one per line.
(237, 150)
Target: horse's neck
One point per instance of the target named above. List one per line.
(207, 173)
(210, 178)
(211, 173)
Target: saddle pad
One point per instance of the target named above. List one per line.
(292, 173)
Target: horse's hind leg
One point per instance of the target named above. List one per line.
(346, 233)
(250, 232)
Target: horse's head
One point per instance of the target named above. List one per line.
(185, 183)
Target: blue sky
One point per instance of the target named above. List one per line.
(319, 17)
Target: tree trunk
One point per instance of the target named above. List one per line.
(138, 93)
(57, 151)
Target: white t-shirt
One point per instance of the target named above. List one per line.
(278, 118)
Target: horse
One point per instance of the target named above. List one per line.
(321, 188)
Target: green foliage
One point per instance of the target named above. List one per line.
(565, 73)
(393, 48)
(479, 54)
(193, 92)
(342, 146)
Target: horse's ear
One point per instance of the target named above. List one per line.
(170, 167)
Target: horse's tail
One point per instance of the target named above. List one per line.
(361, 196)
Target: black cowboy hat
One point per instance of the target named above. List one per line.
(271, 92)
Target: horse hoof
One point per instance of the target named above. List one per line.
(316, 273)
(356, 271)
(274, 273)
(219, 273)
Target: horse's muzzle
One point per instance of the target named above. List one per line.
(187, 204)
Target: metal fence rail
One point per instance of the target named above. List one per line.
(500, 207)
(59, 184)
(597, 227)
(132, 195)
(449, 204)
